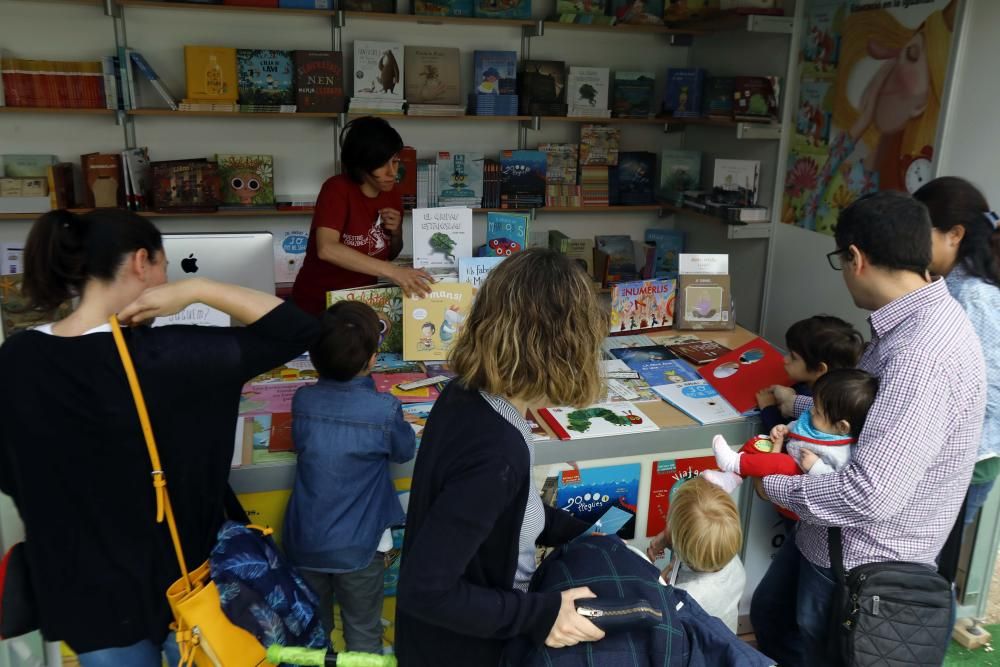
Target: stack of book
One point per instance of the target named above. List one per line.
(494, 86)
(52, 83)
(378, 78)
(427, 178)
(595, 188)
(432, 81)
(561, 188)
(598, 151)
(26, 183)
(588, 91)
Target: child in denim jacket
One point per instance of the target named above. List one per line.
(343, 501)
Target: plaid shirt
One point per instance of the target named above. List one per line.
(898, 496)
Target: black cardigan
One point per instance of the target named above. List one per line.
(456, 602)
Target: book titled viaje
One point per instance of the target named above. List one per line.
(387, 302)
(440, 237)
(319, 81)
(432, 323)
(642, 305)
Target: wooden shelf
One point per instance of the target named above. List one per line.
(624, 28)
(156, 4)
(601, 209)
(438, 20)
(467, 117)
(228, 114)
(603, 121)
(58, 110)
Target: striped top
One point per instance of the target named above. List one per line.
(534, 511)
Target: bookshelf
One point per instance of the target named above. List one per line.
(58, 110)
(167, 113)
(437, 20)
(157, 4)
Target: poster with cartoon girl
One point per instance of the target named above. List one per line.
(888, 89)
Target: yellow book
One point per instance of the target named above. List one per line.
(431, 324)
(211, 73)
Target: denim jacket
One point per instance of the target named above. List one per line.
(345, 434)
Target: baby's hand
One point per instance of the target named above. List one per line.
(765, 398)
(808, 460)
(777, 435)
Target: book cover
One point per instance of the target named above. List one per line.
(506, 233)
(246, 180)
(632, 94)
(289, 254)
(699, 351)
(432, 75)
(494, 72)
(821, 41)
(815, 112)
(103, 180)
(669, 244)
(680, 171)
(387, 302)
(755, 98)
(666, 371)
(642, 305)
(388, 383)
(633, 178)
(636, 355)
(380, 6)
(26, 166)
(596, 420)
(738, 375)
(698, 400)
(587, 90)
(668, 475)
(474, 270)
(430, 324)
(379, 70)
(542, 86)
(599, 145)
(581, 7)
(560, 163)
(621, 255)
(703, 303)
(136, 165)
(502, 9)
(265, 77)
(270, 396)
(211, 74)
(522, 179)
(588, 493)
(319, 81)
(441, 236)
(637, 12)
(740, 178)
(460, 179)
(185, 185)
(416, 415)
(719, 96)
(682, 95)
(580, 251)
(393, 362)
(631, 389)
(623, 342)
(444, 7)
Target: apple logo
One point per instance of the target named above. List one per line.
(190, 264)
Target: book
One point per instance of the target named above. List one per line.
(669, 244)
(599, 145)
(388, 383)
(494, 73)
(588, 493)
(416, 414)
(740, 179)
(668, 475)
(387, 302)
(380, 6)
(137, 177)
(581, 7)
(755, 98)
(393, 362)
(581, 251)
(815, 112)
(319, 81)
(443, 7)
(211, 74)
(637, 12)
(289, 254)
(246, 180)
(642, 305)
(621, 256)
(522, 179)
(61, 188)
(379, 70)
(432, 75)
(431, 323)
(698, 400)
(703, 302)
(682, 94)
(587, 91)
(596, 421)
(266, 77)
(460, 179)
(666, 371)
(440, 237)
(632, 389)
(26, 166)
(103, 182)
(542, 88)
(185, 185)
(739, 374)
(502, 9)
(474, 270)
(560, 163)
(718, 97)
(144, 68)
(406, 177)
(632, 94)
(636, 355)
(506, 233)
(680, 172)
(699, 351)
(632, 180)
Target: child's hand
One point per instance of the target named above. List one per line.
(778, 435)
(656, 547)
(808, 460)
(765, 398)
(785, 397)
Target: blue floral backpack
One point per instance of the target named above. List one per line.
(260, 592)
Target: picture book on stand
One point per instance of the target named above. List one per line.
(596, 420)
(387, 302)
(440, 237)
(431, 323)
(474, 270)
(432, 75)
(266, 78)
(319, 81)
(642, 305)
(738, 375)
(667, 476)
(680, 171)
(587, 91)
(682, 95)
(698, 400)
(378, 70)
(494, 72)
(506, 233)
(632, 181)
(460, 179)
(632, 94)
(588, 493)
(247, 181)
(542, 88)
(522, 179)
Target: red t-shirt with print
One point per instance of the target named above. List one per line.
(342, 206)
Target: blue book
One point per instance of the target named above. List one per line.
(632, 179)
(266, 77)
(474, 270)
(610, 523)
(665, 371)
(507, 9)
(682, 95)
(591, 492)
(522, 179)
(494, 72)
(669, 245)
(506, 233)
(634, 357)
(306, 4)
(460, 178)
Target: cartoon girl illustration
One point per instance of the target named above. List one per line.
(490, 83)
(893, 123)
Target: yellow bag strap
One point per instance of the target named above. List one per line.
(163, 507)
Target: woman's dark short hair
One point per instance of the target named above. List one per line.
(846, 393)
(65, 250)
(892, 228)
(349, 338)
(825, 339)
(366, 144)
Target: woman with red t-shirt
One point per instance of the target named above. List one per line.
(357, 227)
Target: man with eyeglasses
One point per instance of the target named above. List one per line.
(898, 497)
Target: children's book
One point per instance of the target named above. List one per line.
(581, 7)
(599, 145)
(680, 170)
(416, 415)
(265, 77)
(289, 254)
(269, 397)
(821, 41)
(620, 253)
(699, 351)
(633, 179)
(247, 181)
(542, 86)
(644, 304)
(441, 236)
(682, 95)
(623, 342)
(588, 493)
(378, 70)
(522, 179)
(494, 73)
(319, 81)
(610, 523)
(460, 179)
(738, 375)
(815, 112)
(506, 233)
(637, 12)
(638, 355)
(271, 438)
(669, 245)
(560, 163)
(596, 420)
(432, 75)
(502, 9)
(443, 7)
(587, 91)
(211, 74)
(431, 323)
(665, 371)
(632, 94)
(719, 96)
(698, 400)
(667, 476)
(387, 303)
(739, 177)
(474, 270)
(393, 362)
(755, 98)
(388, 383)
(633, 389)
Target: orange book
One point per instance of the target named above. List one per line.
(103, 186)
(211, 74)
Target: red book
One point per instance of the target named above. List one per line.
(319, 81)
(740, 374)
(667, 475)
(387, 383)
(281, 433)
(407, 176)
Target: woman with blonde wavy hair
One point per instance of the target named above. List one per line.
(475, 515)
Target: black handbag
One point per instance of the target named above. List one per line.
(893, 613)
(18, 609)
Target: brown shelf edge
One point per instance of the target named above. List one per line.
(437, 20)
(229, 114)
(57, 110)
(158, 4)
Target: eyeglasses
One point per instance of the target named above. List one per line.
(837, 259)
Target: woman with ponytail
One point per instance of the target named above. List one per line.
(72, 455)
(966, 251)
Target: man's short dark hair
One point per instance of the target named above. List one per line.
(847, 393)
(825, 339)
(367, 143)
(891, 228)
(347, 342)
